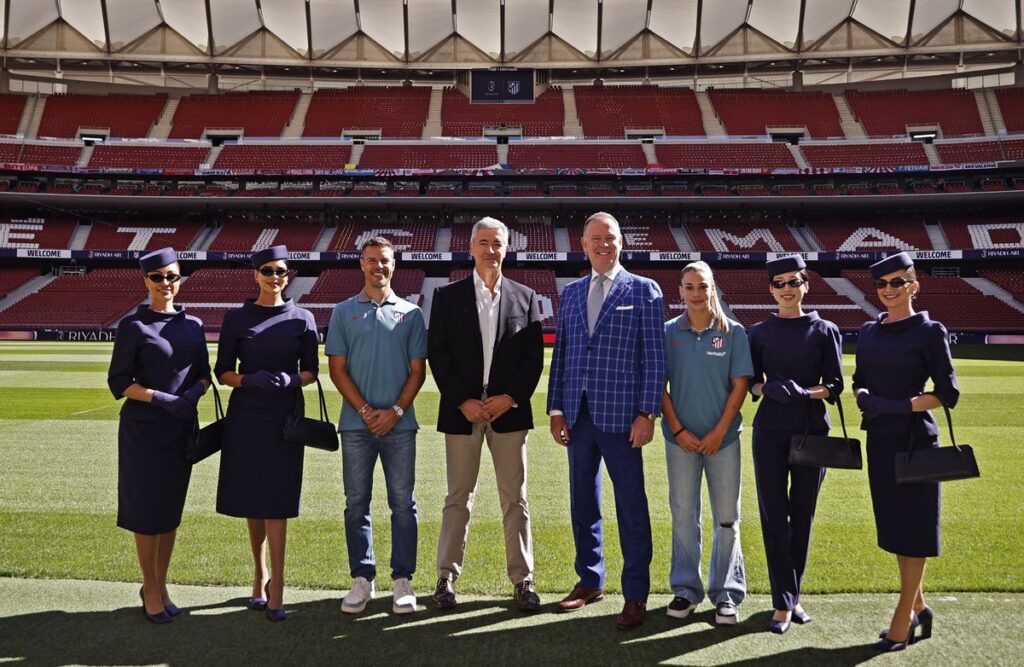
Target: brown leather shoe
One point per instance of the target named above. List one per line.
(632, 615)
(580, 597)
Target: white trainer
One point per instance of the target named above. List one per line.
(405, 599)
(361, 593)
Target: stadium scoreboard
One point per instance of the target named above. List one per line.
(501, 86)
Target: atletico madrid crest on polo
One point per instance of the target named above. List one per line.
(718, 342)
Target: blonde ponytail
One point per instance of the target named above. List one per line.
(718, 319)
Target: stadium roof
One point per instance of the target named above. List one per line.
(448, 34)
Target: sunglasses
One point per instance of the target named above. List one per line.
(267, 271)
(794, 283)
(163, 277)
(895, 283)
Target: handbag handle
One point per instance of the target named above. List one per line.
(300, 404)
(842, 421)
(949, 425)
(218, 407)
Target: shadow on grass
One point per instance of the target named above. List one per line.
(316, 632)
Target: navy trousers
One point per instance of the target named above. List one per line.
(587, 446)
(786, 497)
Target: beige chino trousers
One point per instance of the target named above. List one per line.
(508, 452)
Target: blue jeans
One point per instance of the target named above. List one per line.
(397, 452)
(727, 578)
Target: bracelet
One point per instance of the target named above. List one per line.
(676, 434)
(362, 410)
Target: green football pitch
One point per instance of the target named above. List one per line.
(58, 426)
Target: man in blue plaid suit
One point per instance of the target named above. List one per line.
(607, 378)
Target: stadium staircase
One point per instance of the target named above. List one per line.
(649, 153)
(562, 242)
(846, 288)
(297, 123)
(983, 111)
(34, 113)
(443, 241)
(162, 128)
(851, 126)
(571, 126)
(22, 291)
(989, 288)
(712, 126)
(85, 156)
(805, 239)
(429, 285)
(211, 158)
(798, 156)
(205, 238)
(323, 242)
(995, 113)
(357, 153)
(433, 128)
(502, 153)
(682, 239)
(937, 236)
(299, 286)
(27, 114)
(933, 155)
(79, 236)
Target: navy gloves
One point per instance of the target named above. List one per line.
(796, 392)
(264, 380)
(194, 393)
(175, 405)
(777, 391)
(285, 380)
(873, 406)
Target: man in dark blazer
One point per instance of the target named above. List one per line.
(607, 377)
(486, 354)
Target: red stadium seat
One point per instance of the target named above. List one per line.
(123, 115)
(398, 112)
(752, 112)
(256, 113)
(891, 112)
(544, 117)
(608, 111)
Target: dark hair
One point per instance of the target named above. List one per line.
(376, 242)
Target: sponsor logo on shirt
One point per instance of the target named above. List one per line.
(399, 317)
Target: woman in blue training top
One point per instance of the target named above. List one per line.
(896, 354)
(267, 352)
(161, 366)
(797, 362)
(708, 371)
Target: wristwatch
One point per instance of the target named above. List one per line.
(647, 415)
(398, 410)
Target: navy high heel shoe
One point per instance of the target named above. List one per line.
(778, 627)
(925, 618)
(801, 617)
(273, 615)
(887, 645)
(172, 610)
(159, 618)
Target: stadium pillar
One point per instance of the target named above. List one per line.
(212, 84)
(798, 81)
(1018, 75)
(5, 81)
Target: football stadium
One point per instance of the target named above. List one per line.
(847, 141)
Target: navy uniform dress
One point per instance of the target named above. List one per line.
(164, 352)
(807, 350)
(261, 474)
(895, 361)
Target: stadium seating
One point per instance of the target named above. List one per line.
(124, 115)
(141, 236)
(524, 237)
(281, 157)
(967, 152)
(723, 236)
(873, 235)
(865, 155)
(1010, 280)
(35, 232)
(988, 233)
(11, 279)
(407, 235)
(746, 292)
(51, 154)
(644, 233)
(1013, 149)
(752, 112)
(142, 156)
(396, 112)
(576, 156)
(668, 280)
(336, 285)
(608, 111)
(97, 299)
(952, 301)
(299, 235)
(209, 293)
(1011, 105)
(890, 112)
(543, 118)
(723, 156)
(9, 152)
(11, 109)
(255, 113)
(428, 156)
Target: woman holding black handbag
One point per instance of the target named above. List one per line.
(896, 355)
(161, 366)
(797, 360)
(274, 344)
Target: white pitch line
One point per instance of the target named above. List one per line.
(82, 412)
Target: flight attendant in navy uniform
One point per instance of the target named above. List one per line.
(161, 366)
(267, 352)
(797, 360)
(896, 355)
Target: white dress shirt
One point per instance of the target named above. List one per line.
(487, 312)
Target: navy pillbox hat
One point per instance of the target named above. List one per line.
(785, 265)
(158, 258)
(271, 254)
(899, 262)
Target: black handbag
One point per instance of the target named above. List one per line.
(301, 430)
(824, 451)
(936, 464)
(207, 440)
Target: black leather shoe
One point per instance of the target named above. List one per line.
(444, 594)
(526, 596)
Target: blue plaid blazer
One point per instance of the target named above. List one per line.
(622, 366)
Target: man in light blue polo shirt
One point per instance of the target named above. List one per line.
(377, 350)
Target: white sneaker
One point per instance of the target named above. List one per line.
(726, 613)
(361, 593)
(405, 599)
